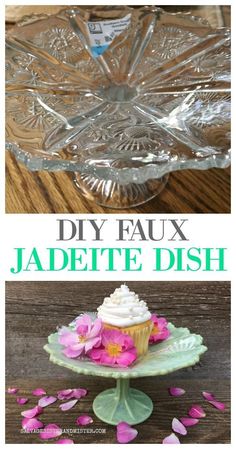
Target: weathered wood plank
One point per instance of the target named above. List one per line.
(215, 428)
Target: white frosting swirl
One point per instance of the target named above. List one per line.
(123, 308)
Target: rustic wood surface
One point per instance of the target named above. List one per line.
(189, 191)
(35, 309)
(214, 429)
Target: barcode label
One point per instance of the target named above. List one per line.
(101, 34)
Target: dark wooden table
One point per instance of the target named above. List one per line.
(33, 311)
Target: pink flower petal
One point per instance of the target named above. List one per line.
(212, 400)
(39, 392)
(217, 404)
(97, 327)
(65, 441)
(79, 393)
(196, 411)
(12, 390)
(46, 400)
(76, 393)
(84, 420)
(31, 413)
(208, 396)
(171, 439)
(50, 431)
(188, 422)
(21, 401)
(65, 394)
(127, 358)
(73, 353)
(31, 424)
(178, 427)
(125, 433)
(175, 391)
(68, 405)
(67, 337)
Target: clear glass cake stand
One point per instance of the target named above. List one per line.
(122, 403)
(119, 97)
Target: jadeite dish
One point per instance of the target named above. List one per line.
(120, 97)
(182, 349)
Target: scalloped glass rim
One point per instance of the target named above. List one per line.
(161, 155)
(153, 364)
(124, 175)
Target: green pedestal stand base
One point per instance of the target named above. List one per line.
(122, 404)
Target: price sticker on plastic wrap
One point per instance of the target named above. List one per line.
(102, 33)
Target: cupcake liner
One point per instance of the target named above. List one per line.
(140, 334)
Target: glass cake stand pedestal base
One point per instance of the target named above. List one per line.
(111, 194)
(122, 404)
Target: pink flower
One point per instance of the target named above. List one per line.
(116, 349)
(159, 331)
(85, 336)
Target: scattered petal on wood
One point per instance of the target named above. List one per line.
(208, 396)
(175, 391)
(39, 392)
(188, 422)
(65, 441)
(46, 400)
(65, 394)
(31, 424)
(68, 405)
(196, 411)
(178, 427)
(125, 433)
(171, 439)
(213, 401)
(219, 405)
(12, 390)
(22, 401)
(84, 420)
(50, 431)
(80, 393)
(31, 413)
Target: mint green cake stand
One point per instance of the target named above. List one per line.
(122, 403)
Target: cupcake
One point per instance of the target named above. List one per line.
(124, 311)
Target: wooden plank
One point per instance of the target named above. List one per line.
(215, 428)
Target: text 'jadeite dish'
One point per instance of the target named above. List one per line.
(180, 350)
(119, 96)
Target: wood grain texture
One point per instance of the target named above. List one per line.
(35, 309)
(188, 191)
(214, 429)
